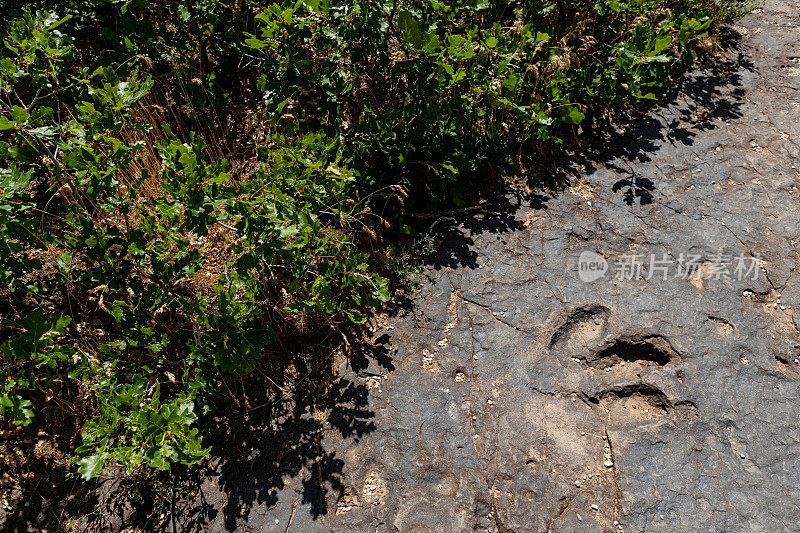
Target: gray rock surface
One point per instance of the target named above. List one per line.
(516, 397)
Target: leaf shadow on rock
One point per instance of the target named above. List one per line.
(703, 99)
(705, 96)
(281, 448)
(455, 229)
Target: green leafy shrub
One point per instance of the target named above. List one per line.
(427, 94)
(29, 357)
(149, 273)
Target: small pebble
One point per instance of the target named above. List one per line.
(608, 463)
